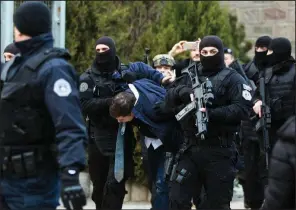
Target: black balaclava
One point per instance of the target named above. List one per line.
(260, 57)
(33, 18)
(106, 61)
(212, 63)
(11, 48)
(281, 48)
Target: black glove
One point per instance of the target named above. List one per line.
(178, 96)
(103, 91)
(72, 194)
(132, 76)
(184, 94)
(161, 109)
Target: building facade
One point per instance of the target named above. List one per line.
(273, 18)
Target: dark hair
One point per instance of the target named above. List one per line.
(122, 104)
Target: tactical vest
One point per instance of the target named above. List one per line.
(104, 130)
(24, 119)
(281, 89)
(219, 89)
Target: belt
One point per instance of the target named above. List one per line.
(223, 141)
(24, 162)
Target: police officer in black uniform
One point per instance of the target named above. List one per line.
(254, 176)
(259, 61)
(278, 67)
(280, 192)
(280, 85)
(42, 131)
(97, 87)
(210, 162)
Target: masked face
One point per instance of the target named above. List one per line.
(212, 54)
(210, 58)
(105, 54)
(278, 51)
(261, 47)
(260, 57)
(8, 56)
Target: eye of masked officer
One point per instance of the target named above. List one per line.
(211, 53)
(100, 48)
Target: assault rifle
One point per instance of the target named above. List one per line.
(203, 95)
(264, 123)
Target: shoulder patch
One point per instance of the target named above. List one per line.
(247, 87)
(247, 95)
(62, 88)
(83, 87)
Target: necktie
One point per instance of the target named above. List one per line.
(119, 153)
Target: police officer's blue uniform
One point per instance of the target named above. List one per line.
(41, 125)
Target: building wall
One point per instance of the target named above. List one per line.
(273, 18)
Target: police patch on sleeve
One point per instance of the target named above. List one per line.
(247, 95)
(83, 87)
(247, 87)
(62, 88)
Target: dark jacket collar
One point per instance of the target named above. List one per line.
(35, 44)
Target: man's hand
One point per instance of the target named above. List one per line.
(177, 49)
(169, 77)
(72, 194)
(257, 108)
(203, 109)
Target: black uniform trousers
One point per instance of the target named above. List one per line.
(107, 192)
(212, 167)
(254, 177)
